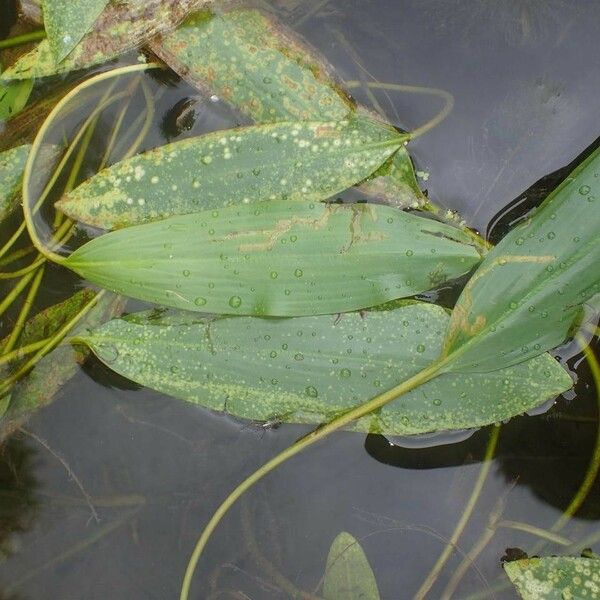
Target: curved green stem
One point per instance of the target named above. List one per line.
(19, 273)
(35, 148)
(23, 351)
(14, 293)
(18, 40)
(537, 531)
(16, 255)
(460, 527)
(356, 413)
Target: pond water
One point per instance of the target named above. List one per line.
(145, 472)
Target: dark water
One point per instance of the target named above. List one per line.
(524, 77)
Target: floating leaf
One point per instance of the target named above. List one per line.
(348, 574)
(527, 294)
(555, 578)
(260, 259)
(67, 22)
(263, 71)
(12, 164)
(306, 161)
(310, 369)
(14, 97)
(38, 388)
(121, 27)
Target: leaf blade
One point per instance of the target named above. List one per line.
(311, 369)
(12, 165)
(308, 161)
(259, 259)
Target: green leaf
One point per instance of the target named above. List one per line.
(39, 387)
(527, 294)
(555, 578)
(260, 259)
(306, 161)
(264, 72)
(67, 22)
(310, 369)
(121, 27)
(12, 165)
(14, 97)
(348, 574)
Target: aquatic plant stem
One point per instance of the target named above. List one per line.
(25, 38)
(23, 351)
(537, 531)
(460, 527)
(14, 293)
(356, 413)
(28, 206)
(16, 255)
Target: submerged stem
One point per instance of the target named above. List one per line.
(352, 415)
(18, 40)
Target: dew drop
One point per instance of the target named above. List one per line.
(551, 235)
(584, 190)
(206, 160)
(409, 253)
(298, 273)
(274, 274)
(186, 273)
(273, 354)
(235, 301)
(437, 402)
(311, 391)
(520, 241)
(299, 356)
(200, 301)
(420, 348)
(345, 373)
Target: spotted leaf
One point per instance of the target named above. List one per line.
(306, 161)
(310, 369)
(12, 165)
(260, 259)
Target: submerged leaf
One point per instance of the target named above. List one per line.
(264, 72)
(555, 578)
(67, 22)
(12, 165)
(348, 574)
(121, 27)
(310, 369)
(528, 292)
(38, 388)
(306, 161)
(260, 259)
(14, 97)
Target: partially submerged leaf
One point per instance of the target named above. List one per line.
(306, 161)
(311, 369)
(14, 97)
(348, 574)
(527, 294)
(12, 165)
(555, 578)
(266, 73)
(67, 22)
(38, 388)
(121, 27)
(260, 259)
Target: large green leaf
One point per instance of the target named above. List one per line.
(121, 27)
(306, 161)
(12, 165)
(67, 22)
(527, 294)
(39, 387)
(264, 72)
(282, 258)
(348, 574)
(310, 369)
(555, 578)
(14, 97)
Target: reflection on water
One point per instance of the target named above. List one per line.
(128, 477)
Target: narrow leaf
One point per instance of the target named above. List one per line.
(310, 369)
(121, 27)
(14, 97)
(306, 161)
(67, 22)
(260, 260)
(348, 574)
(40, 386)
(527, 294)
(555, 578)
(267, 74)
(12, 164)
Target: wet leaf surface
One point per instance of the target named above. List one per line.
(528, 293)
(14, 97)
(267, 74)
(67, 22)
(310, 369)
(307, 161)
(12, 164)
(260, 259)
(348, 573)
(119, 29)
(555, 578)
